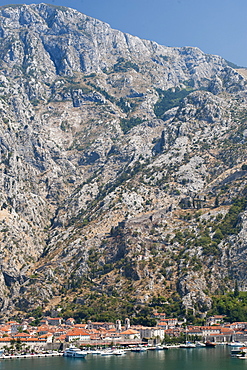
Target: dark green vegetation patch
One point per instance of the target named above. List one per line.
(169, 99)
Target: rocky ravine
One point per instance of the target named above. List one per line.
(121, 160)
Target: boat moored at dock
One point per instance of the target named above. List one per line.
(75, 352)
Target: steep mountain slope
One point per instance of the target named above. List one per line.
(123, 164)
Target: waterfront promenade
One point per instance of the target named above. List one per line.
(29, 355)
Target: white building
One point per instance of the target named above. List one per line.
(77, 334)
(130, 334)
(152, 332)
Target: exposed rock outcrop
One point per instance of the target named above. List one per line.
(117, 163)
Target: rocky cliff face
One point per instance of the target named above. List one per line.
(121, 163)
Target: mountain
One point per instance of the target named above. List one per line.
(123, 166)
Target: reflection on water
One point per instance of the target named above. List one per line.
(173, 359)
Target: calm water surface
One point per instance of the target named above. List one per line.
(173, 359)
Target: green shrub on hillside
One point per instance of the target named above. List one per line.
(169, 99)
(234, 307)
(124, 66)
(127, 124)
(230, 224)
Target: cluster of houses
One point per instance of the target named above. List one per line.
(56, 332)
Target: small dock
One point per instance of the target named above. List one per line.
(35, 355)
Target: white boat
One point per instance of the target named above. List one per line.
(74, 352)
(118, 352)
(138, 349)
(237, 344)
(188, 345)
(156, 348)
(236, 352)
(95, 352)
(200, 344)
(159, 348)
(239, 352)
(108, 352)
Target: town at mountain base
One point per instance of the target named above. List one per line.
(123, 169)
(53, 333)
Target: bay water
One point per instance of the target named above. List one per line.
(172, 359)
